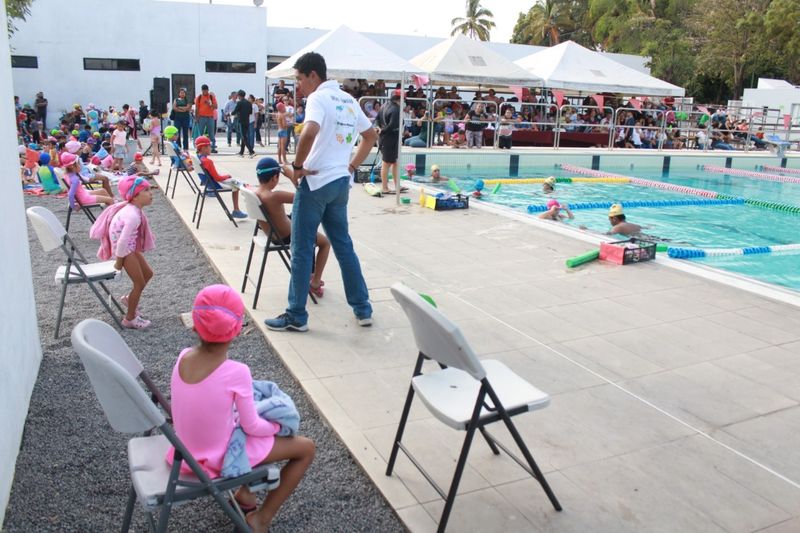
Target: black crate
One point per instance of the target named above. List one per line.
(459, 201)
(645, 250)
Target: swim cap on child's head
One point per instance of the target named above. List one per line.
(107, 161)
(95, 160)
(552, 203)
(44, 159)
(137, 156)
(55, 131)
(434, 168)
(550, 181)
(76, 132)
(130, 186)
(96, 134)
(33, 146)
(280, 107)
(170, 131)
(201, 141)
(217, 313)
(411, 166)
(22, 149)
(615, 210)
(73, 147)
(67, 159)
(267, 168)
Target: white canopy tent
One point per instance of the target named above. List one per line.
(349, 54)
(462, 60)
(571, 66)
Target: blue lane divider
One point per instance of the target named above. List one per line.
(645, 203)
(691, 253)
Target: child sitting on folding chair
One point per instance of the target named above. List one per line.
(183, 161)
(78, 195)
(268, 171)
(203, 146)
(124, 235)
(205, 388)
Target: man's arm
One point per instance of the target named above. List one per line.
(368, 138)
(309, 133)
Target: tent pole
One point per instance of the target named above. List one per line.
(398, 184)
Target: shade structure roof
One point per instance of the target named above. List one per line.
(462, 60)
(571, 66)
(349, 54)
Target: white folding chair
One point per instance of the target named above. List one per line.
(204, 191)
(464, 393)
(267, 241)
(156, 485)
(77, 269)
(179, 171)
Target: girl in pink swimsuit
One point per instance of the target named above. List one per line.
(78, 195)
(206, 386)
(124, 234)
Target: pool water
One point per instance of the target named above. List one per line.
(718, 226)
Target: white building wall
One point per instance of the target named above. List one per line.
(166, 37)
(20, 351)
(786, 101)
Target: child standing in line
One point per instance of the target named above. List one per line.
(119, 143)
(124, 235)
(205, 387)
(78, 196)
(155, 139)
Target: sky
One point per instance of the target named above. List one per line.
(410, 17)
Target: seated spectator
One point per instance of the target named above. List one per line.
(420, 140)
(203, 146)
(140, 169)
(268, 171)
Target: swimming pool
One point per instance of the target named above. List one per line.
(695, 226)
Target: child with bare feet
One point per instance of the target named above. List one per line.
(268, 171)
(206, 386)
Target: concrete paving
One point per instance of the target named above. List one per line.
(674, 398)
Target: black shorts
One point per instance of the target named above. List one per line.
(388, 148)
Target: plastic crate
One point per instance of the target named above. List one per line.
(458, 201)
(626, 252)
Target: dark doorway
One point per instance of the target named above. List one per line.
(186, 81)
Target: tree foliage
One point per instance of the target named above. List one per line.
(16, 9)
(476, 24)
(714, 48)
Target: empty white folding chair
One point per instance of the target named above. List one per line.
(157, 485)
(205, 191)
(77, 269)
(464, 393)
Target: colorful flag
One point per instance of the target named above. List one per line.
(559, 96)
(600, 99)
(420, 80)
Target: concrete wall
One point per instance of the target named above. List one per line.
(167, 38)
(785, 100)
(20, 351)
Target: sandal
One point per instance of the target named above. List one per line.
(136, 323)
(124, 301)
(318, 291)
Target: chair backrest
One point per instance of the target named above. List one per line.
(127, 407)
(197, 166)
(107, 340)
(171, 149)
(436, 336)
(47, 227)
(252, 204)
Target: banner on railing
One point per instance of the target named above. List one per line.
(600, 99)
(419, 80)
(559, 96)
(787, 121)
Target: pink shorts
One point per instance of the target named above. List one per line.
(84, 197)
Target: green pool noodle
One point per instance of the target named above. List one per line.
(496, 188)
(662, 247)
(587, 257)
(428, 299)
(453, 186)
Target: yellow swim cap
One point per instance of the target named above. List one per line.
(615, 210)
(550, 181)
(434, 168)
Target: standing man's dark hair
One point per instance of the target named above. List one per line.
(312, 61)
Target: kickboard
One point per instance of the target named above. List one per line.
(372, 189)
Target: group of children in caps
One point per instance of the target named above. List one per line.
(205, 384)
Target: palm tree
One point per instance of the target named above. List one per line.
(476, 24)
(545, 18)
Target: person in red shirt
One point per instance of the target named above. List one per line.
(203, 146)
(205, 105)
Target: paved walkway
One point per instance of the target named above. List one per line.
(674, 398)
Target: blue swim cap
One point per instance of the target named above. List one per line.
(33, 146)
(44, 159)
(267, 168)
(479, 185)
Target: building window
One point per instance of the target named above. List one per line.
(93, 63)
(236, 67)
(274, 61)
(24, 62)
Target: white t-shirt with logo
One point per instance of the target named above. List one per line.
(340, 120)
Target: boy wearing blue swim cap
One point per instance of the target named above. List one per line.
(268, 171)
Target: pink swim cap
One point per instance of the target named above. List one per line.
(217, 313)
(130, 186)
(95, 160)
(552, 203)
(67, 159)
(73, 147)
(411, 166)
(106, 162)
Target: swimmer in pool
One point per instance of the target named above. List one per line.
(619, 225)
(554, 211)
(549, 185)
(436, 174)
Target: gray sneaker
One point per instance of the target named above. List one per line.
(284, 323)
(364, 322)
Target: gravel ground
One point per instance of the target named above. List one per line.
(71, 473)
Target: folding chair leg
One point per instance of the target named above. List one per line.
(105, 304)
(111, 297)
(249, 258)
(202, 205)
(169, 178)
(126, 519)
(61, 306)
(169, 495)
(404, 418)
(261, 275)
(69, 218)
(188, 178)
(196, 205)
(225, 208)
(489, 441)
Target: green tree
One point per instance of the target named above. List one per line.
(783, 28)
(477, 24)
(549, 22)
(16, 9)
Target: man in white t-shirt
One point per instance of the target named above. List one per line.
(323, 172)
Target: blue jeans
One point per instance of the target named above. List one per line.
(415, 142)
(233, 126)
(327, 205)
(205, 126)
(183, 124)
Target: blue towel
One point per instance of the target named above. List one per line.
(271, 404)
